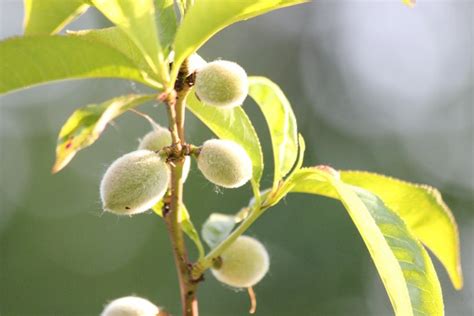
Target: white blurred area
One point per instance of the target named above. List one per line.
(397, 73)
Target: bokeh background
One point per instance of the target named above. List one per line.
(374, 85)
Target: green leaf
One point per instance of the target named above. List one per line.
(115, 38)
(424, 211)
(29, 61)
(86, 124)
(217, 227)
(158, 208)
(281, 122)
(136, 18)
(231, 124)
(51, 16)
(187, 226)
(403, 264)
(207, 17)
(167, 24)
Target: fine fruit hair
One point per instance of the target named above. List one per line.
(134, 183)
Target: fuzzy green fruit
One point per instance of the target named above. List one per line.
(134, 183)
(222, 83)
(225, 163)
(130, 306)
(244, 263)
(156, 139)
(159, 138)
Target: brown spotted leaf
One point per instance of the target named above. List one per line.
(86, 124)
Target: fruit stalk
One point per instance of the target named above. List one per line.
(175, 105)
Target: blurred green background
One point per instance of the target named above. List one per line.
(374, 85)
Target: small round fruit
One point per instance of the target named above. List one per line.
(156, 139)
(134, 183)
(130, 306)
(243, 264)
(159, 138)
(222, 83)
(225, 163)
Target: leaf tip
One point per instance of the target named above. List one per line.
(458, 280)
(56, 167)
(60, 163)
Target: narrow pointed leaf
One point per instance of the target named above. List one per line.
(188, 227)
(403, 264)
(207, 17)
(281, 122)
(136, 18)
(117, 39)
(167, 23)
(424, 211)
(29, 61)
(231, 124)
(86, 124)
(51, 16)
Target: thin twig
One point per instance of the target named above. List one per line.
(174, 101)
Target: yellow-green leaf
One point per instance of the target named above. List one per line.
(29, 61)
(136, 18)
(424, 211)
(86, 124)
(51, 16)
(188, 227)
(403, 264)
(207, 17)
(116, 38)
(232, 124)
(281, 122)
(167, 24)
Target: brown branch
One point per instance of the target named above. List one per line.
(176, 107)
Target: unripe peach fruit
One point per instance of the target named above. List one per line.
(243, 264)
(156, 139)
(134, 183)
(222, 83)
(225, 163)
(159, 138)
(130, 306)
